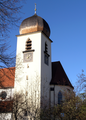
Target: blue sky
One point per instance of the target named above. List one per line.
(67, 21)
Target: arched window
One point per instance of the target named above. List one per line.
(28, 44)
(59, 97)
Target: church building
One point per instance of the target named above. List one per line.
(34, 74)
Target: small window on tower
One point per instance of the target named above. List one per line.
(25, 113)
(46, 59)
(28, 44)
(46, 48)
(26, 77)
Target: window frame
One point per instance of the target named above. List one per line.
(59, 97)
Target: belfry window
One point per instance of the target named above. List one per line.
(59, 97)
(46, 55)
(28, 44)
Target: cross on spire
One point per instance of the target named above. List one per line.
(35, 8)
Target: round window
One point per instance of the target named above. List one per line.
(3, 95)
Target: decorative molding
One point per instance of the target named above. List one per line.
(28, 51)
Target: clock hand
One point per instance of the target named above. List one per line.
(28, 56)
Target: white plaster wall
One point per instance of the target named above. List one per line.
(63, 89)
(39, 74)
(34, 71)
(45, 69)
(5, 116)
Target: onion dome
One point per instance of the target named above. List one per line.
(33, 24)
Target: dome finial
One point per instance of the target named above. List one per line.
(35, 8)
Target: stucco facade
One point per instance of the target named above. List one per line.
(35, 73)
(35, 76)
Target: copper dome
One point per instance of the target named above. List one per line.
(33, 24)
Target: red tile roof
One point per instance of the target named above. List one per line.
(59, 76)
(7, 76)
(6, 106)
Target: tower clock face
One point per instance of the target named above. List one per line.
(28, 57)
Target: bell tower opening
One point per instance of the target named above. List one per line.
(28, 45)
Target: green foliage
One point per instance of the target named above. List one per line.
(73, 108)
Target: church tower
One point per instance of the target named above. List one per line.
(33, 59)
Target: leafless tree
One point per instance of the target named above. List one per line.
(9, 10)
(81, 82)
(9, 16)
(24, 108)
